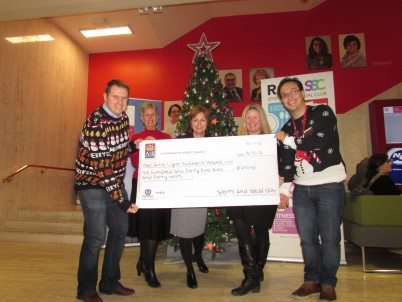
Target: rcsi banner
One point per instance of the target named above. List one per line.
(318, 88)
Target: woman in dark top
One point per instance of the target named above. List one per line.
(253, 253)
(379, 182)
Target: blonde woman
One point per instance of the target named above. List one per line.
(253, 252)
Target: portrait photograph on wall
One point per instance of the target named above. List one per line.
(171, 116)
(232, 84)
(352, 50)
(318, 52)
(256, 75)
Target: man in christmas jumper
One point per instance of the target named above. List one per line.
(100, 168)
(309, 156)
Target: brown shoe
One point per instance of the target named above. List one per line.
(305, 290)
(327, 293)
(92, 298)
(124, 291)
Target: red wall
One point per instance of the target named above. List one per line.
(268, 40)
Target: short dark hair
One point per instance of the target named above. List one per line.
(287, 80)
(375, 161)
(171, 107)
(230, 74)
(117, 83)
(351, 38)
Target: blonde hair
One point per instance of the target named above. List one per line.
(149, 105)
(264, 120)
(262, 72)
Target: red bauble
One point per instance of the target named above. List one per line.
(217, 249)
(217, 213)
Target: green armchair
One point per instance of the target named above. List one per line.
(374, 221)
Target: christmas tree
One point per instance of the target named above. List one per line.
(218, 231)
(205, 89)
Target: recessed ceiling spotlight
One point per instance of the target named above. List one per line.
(157, 9)
(143, 10)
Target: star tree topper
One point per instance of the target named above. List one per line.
(203, 47)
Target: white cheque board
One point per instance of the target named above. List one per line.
(208, 172)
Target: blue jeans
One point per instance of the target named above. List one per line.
(100, 211)
(319, 212)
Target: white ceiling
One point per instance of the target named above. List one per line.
(150, 31)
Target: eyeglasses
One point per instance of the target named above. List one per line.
(230, 80)
(288, 94)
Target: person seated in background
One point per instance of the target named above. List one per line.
(359, 180)
(378, 167)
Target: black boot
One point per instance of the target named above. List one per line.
(140, 267)
(150, 276)
(191, 280)
(251, 281)
(186, 252)
(148, 250)
(198, 243)
(201, 265)
(261, 254)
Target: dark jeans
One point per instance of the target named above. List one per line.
(100, 211)
(318, 211)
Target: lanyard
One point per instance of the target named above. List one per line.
(303, 124)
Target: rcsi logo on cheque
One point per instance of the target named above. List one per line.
(149, 150)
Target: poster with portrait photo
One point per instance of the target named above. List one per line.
(318, 52)
(256, 75)
(232, 84)
(352, 50)
(171, 116)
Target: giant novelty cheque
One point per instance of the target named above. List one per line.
(208, 172)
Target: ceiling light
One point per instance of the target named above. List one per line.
(25, 39)
(157, 9)
(110, 31)
(143, 10)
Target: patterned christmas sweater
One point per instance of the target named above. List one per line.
(102, 155)
(310, 153)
